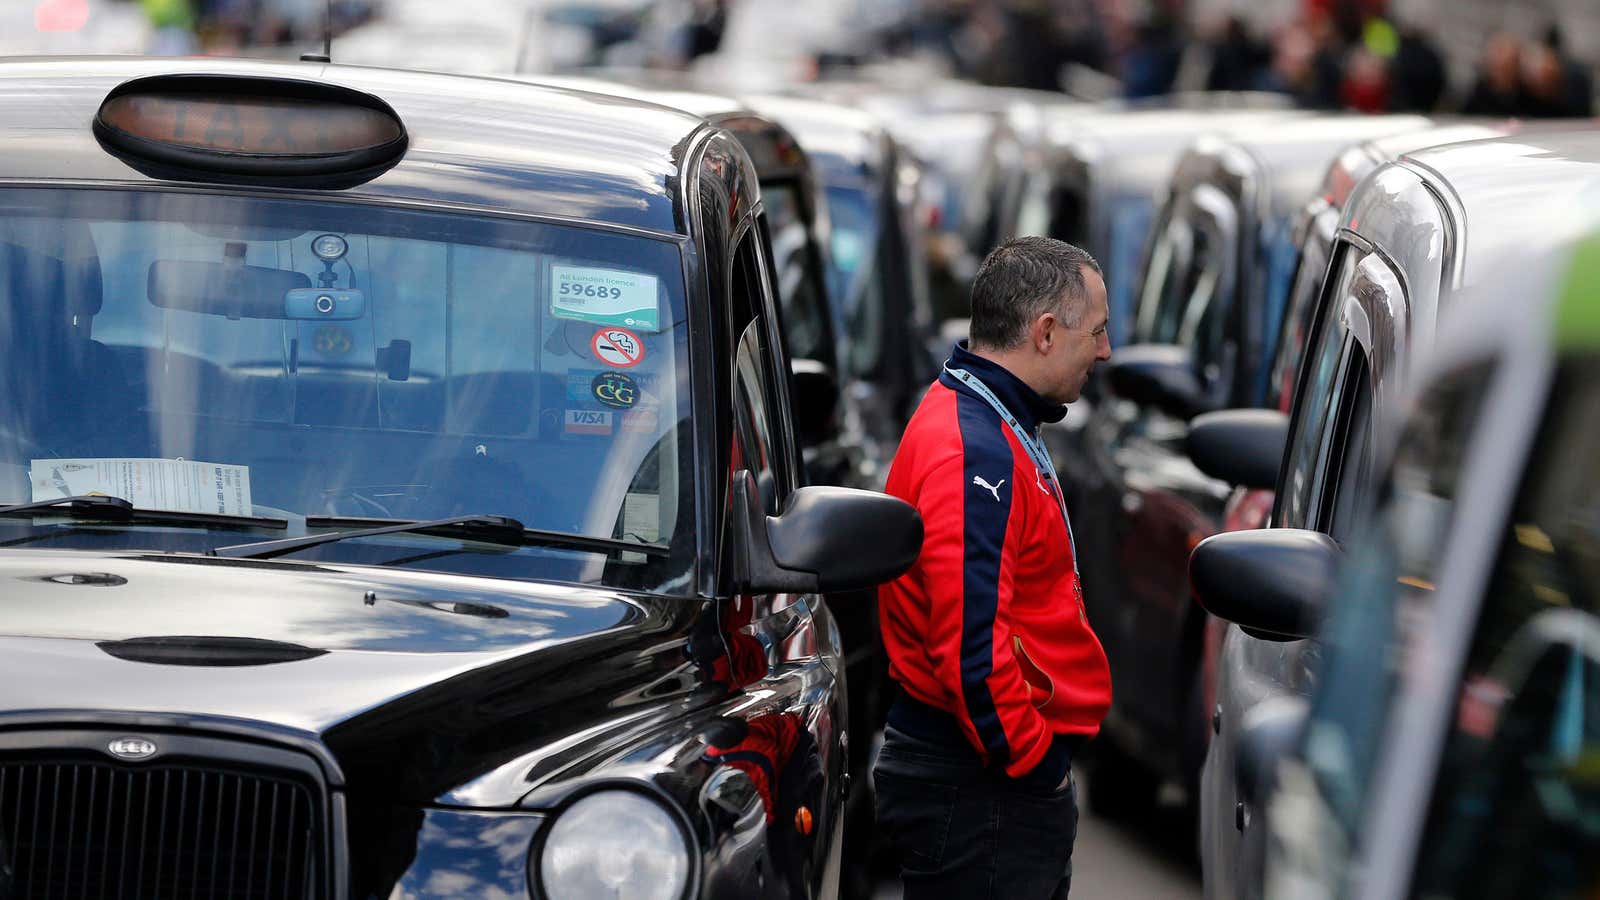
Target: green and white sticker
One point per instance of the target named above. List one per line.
(605, 296)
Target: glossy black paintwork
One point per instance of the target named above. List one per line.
(474, 141)
(453, 715)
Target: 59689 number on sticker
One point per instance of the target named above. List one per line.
(605, 297)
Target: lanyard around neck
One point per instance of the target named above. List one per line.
(1040, 455)
(1031, 444)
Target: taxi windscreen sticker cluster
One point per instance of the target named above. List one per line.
(607, 402)
(605, 297)
(617, 347)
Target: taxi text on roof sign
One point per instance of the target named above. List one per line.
(232, 128)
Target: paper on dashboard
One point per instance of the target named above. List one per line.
(171, 484)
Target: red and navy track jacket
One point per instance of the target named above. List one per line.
(988, 627)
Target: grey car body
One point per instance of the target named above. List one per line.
(1444, 755)
(1414, 232)
(1215, 266)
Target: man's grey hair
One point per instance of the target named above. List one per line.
(1023, 279)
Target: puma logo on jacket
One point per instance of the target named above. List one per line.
(991, 488)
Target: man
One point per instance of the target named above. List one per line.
(1001, 678)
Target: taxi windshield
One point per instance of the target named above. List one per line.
(334, 365)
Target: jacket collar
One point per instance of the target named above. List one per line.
(1022, 401)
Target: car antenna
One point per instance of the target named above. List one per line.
(327, 37)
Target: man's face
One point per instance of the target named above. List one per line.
(1075, 350)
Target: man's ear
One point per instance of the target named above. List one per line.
(1041, 331)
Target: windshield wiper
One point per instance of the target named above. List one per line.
(116, 509)
(488, 529)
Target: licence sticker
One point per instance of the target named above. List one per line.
(617, 347)
(175, 485)
(615, 390)
(604, 296)
(588, 421)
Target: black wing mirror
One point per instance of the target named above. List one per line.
(1273, 582)
(1159, 375)
(816, 401)
(1240, 446)
(1269, 734)
(828, 539)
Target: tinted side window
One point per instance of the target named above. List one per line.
(1169, 258)
(761, 444)
(1346, 481)
(1516, 807)
(801, 294)
(755, 446)
(1314, 396)
(1291, 341)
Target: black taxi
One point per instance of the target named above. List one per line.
(399, 497)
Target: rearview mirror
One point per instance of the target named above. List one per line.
(1159, 375)
(1273, 582)
(1240, 446)
(816, 401)
(222, 289)
(828, 539)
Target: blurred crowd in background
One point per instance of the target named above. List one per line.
(1484, 57)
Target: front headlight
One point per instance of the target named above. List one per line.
(615, 843)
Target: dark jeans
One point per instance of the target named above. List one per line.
(960, 830)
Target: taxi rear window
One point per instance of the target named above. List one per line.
(351, 360)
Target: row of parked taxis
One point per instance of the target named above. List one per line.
(1334, 315)
(420, 485)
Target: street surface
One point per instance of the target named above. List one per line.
(1121, 860)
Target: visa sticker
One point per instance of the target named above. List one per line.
(588, 421)
(605, 296)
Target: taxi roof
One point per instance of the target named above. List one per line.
(477, 142)
(1517, 194)
(839, 139)
(1291, 162)
(771, 146)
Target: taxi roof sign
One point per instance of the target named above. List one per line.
(250, 129)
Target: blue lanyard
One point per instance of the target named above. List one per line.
(1032, 445)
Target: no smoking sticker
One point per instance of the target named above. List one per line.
(617, 347)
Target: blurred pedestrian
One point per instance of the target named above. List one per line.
(1498, 90)
(1417, 73)
(1238, 60)
(1002, 680)
(1576, 80)
(173, 23)
(1150, 65)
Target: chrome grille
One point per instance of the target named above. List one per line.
(76, 828)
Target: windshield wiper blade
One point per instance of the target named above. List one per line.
(489, 529)
(116, 509)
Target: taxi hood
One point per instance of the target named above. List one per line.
(305, 647)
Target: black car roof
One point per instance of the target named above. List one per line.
(479, 142)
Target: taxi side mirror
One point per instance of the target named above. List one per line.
(1159, 375)
(1243, 447)
(1269, 734)
(1273, 582)
(827, 539)
(816, 401)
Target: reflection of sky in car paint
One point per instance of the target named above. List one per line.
(471, 856)
(323, 608)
